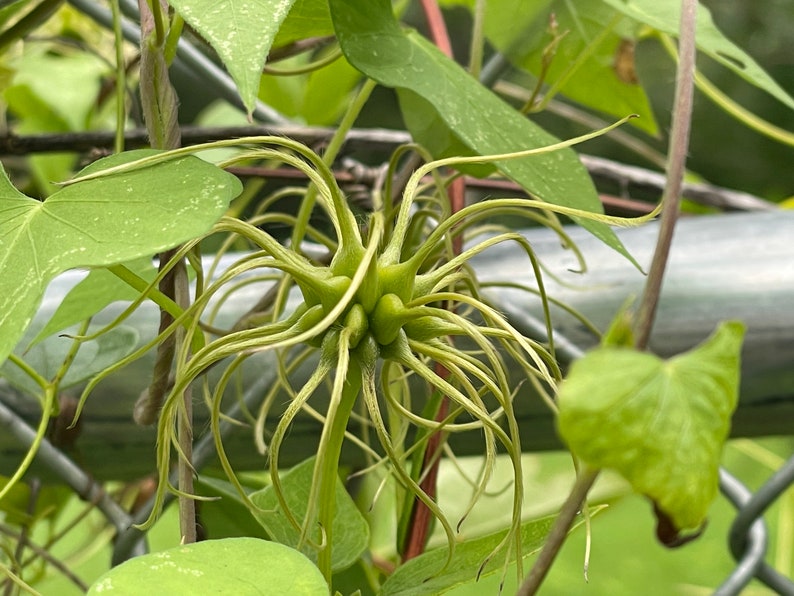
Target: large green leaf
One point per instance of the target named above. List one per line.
(665, 15)
(228, 566)
(426, 575)
(593, 63)
(350, 529)
(98, 222)
(241, 32)
(660, 423)
(373, 42)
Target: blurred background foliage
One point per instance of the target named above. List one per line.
(40, 96)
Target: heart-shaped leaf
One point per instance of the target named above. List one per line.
(225, 566)
(241, 32)
(660, 423)
(102, 221)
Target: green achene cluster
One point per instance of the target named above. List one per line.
(376, 313)
(386, 307)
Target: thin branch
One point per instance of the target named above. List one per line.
(676, 167)
(185, 470)
(705, 194)
(584, 481)
(679, 142)
(371, 139)
(23, 540)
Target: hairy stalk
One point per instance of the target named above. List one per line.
(679, 141)
(159, 102)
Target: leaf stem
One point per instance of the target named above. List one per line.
(477, 39)
(679, 141)
(676, 164)
(584, 482)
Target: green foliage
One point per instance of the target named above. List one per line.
(661, 424)
(227, 566)
(591, 59)
(665, 16)
(318, 97)
(98, 222)
(350, 531)
(392, 310)
(434, 572)
(374, 43)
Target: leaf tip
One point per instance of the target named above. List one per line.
(671, 536)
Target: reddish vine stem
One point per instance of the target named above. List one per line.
(679, 142)
(421, 516)
(437, 27)
(676, 167)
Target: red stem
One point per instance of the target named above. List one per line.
(437, 27)
(421, 517)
